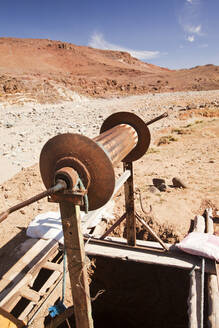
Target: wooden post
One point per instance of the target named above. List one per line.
(194, 299)
(74, 246)
(213, 294)
(130, 206)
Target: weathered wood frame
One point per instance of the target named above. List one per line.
(130, 205)
(74, 247)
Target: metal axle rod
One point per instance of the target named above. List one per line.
(157, 118)
(60, 185)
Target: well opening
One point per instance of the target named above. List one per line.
(139, 295)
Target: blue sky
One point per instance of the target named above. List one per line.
(168, 33)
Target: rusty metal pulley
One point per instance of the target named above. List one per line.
(67, 157)
(124, 137)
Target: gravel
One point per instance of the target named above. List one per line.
(24, 130)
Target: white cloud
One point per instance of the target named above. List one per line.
(191, 38)
(189, 19)
(97, 41)
(193, 29)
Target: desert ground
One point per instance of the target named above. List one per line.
(183, 145)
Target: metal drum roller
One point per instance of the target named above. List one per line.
(124, 137)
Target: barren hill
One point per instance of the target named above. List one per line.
(49, 71)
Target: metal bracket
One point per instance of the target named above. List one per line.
(70, 196)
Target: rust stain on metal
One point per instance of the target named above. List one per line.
(124, 136)
(61, 185)
(130, 120)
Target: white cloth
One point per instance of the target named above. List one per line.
(49, 226)
(46, 226)
(202, 244)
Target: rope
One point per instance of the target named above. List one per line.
(193, 269)
(82, 187)
(64, 277)
(60, 307)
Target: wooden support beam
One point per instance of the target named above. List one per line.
(194, 303)
(151, 231)
(213, 294)
(53, 266)
(74, 246)
(146, 252)
(112, 228)
(130, 205)
(91, 216)
(30, 294)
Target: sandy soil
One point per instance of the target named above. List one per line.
(184, 145)
(189, 150)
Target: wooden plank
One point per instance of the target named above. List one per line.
(194, 305)
(29, 265)
(93, 214)
(74, 246)
(30, 294)
(26, 311)
(213, 294)
(120, 250)
(130, 205)
(112, 228)
(45, 290)
(36, 250)
(10, 293)
(99, 229)
(52, 279)
(53, 266)
(151, 231)
(10, 303)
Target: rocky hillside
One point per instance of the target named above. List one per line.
(51, 71)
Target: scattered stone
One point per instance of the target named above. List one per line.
(159, 184)
(152, 189)
(177, 183)
(8, 125)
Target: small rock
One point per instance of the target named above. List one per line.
(152, 189)
(22, 211)
(177, 183)
(6, 196)
(159, 184)
(8, 125)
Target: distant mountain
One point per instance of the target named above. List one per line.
(50, 71)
